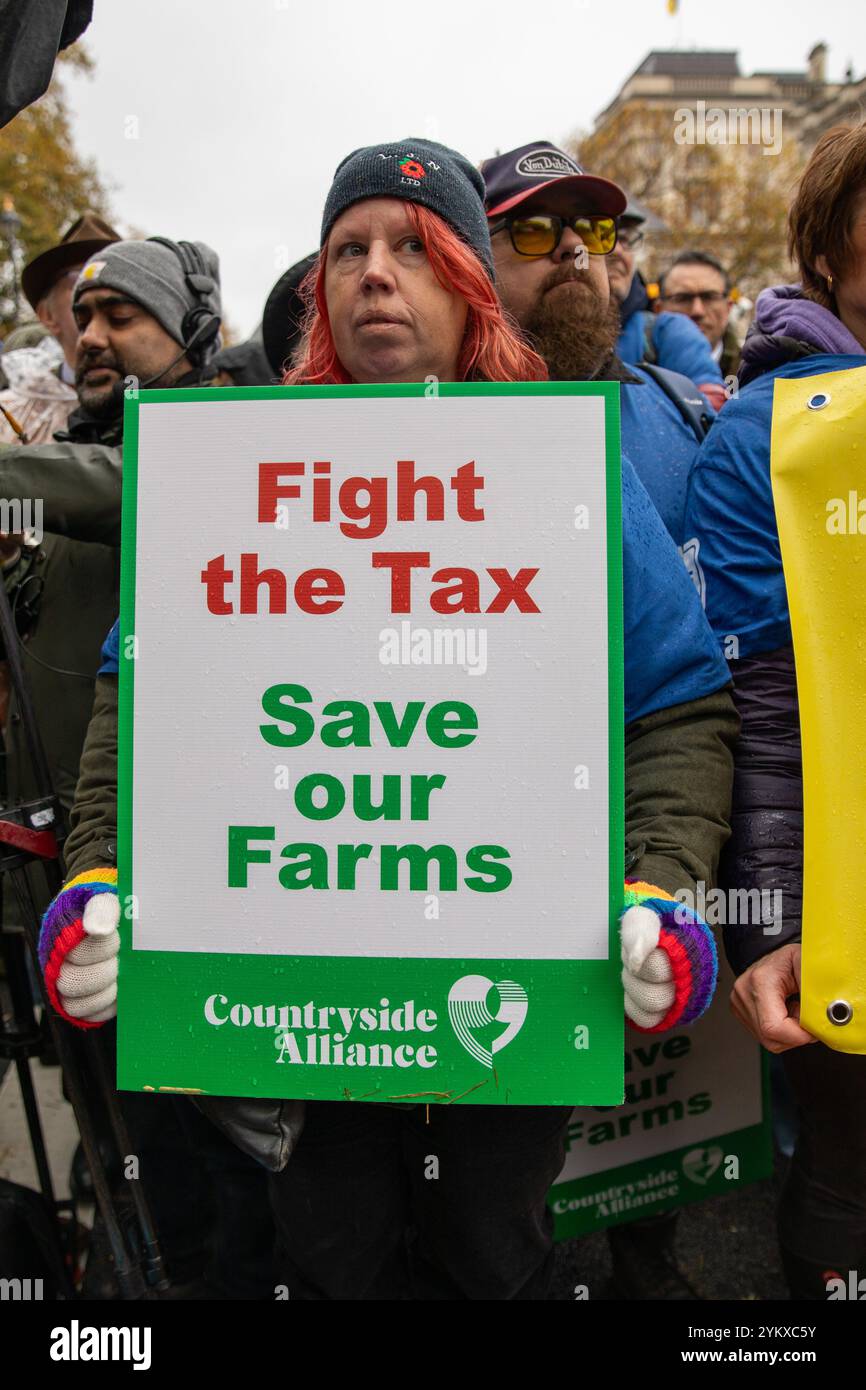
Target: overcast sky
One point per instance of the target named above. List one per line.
(245, 107)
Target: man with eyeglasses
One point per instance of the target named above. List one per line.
(697, 285)
(665, 339)
(553, 229)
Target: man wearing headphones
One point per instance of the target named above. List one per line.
(146, 310)
(148, 314)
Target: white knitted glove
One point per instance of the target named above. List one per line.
(78, 946)
(87, 983)
(647, 975)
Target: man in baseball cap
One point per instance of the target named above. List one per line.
(551, 226)
(554, 230)
(517, 178)
(647, 336)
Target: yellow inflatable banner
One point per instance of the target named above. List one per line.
(818, 468)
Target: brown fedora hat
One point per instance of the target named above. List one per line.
(89, 234)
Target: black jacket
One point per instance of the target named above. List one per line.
(764, 856)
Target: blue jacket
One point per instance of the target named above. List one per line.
(110, 652)
(730, 518)
(670, 654)
(660, 444)
(678, 344)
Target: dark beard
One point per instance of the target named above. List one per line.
(100, 407)
(109, 406)
(574, 333)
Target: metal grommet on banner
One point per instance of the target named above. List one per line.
(840, 1012)
(819, 400)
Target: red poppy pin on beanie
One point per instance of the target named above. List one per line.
(418, 171)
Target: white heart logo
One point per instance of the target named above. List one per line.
(699, 1165)
(468, 1009)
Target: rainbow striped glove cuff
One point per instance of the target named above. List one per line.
(78, 945)
(670, 964)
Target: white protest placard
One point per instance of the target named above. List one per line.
(371, 743)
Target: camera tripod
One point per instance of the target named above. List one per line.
(31, 837)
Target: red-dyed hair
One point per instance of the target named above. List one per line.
(492, 348)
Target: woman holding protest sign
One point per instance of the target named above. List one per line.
(773, 503)
(403, 292)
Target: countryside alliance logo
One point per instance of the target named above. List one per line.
(475, 1004)
(700, 1164)
(486, 1016)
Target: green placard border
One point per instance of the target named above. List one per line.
(137, 400)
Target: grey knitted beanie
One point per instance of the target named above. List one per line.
(152, 275)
